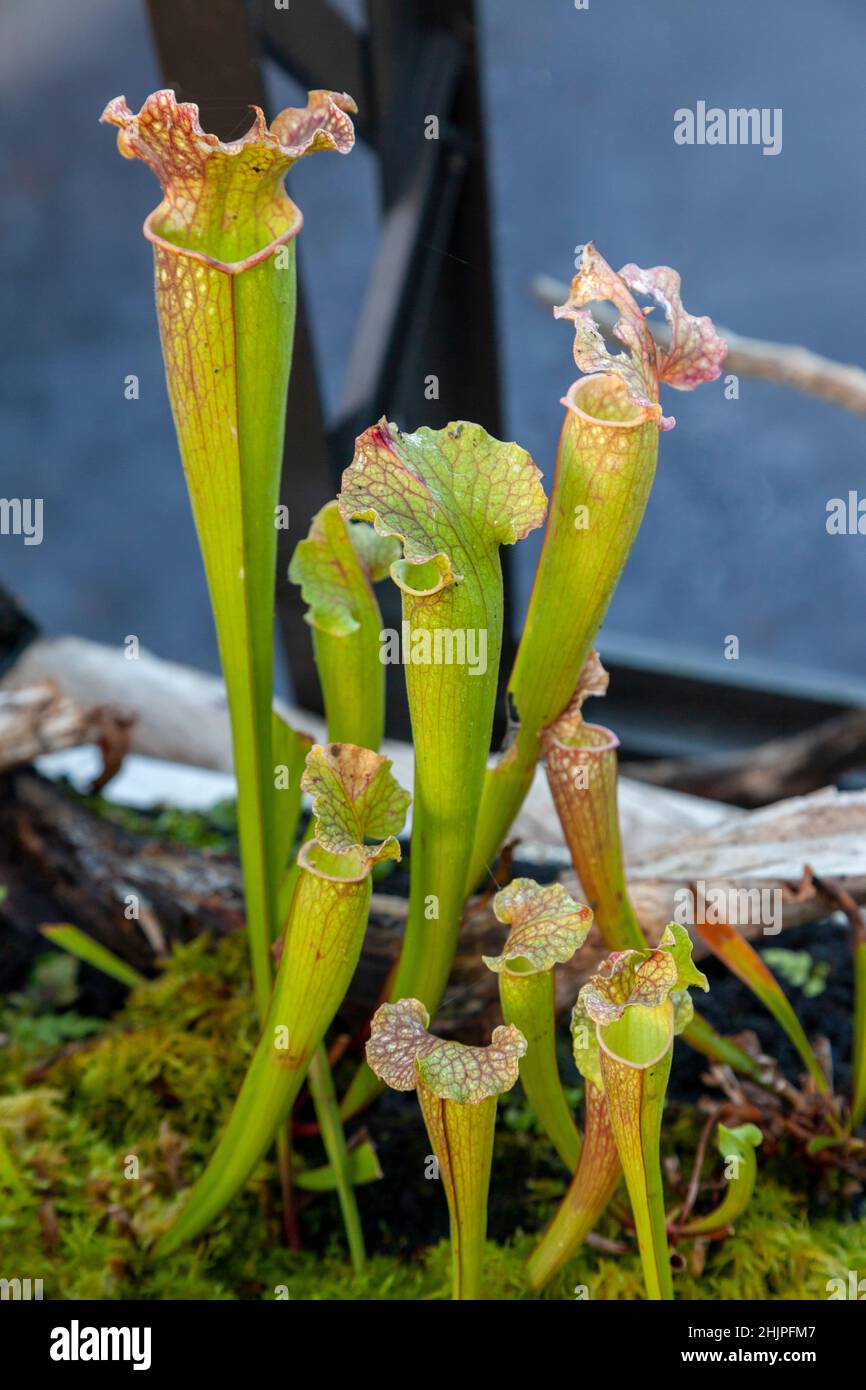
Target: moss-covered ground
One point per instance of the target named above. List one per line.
(103, 1126)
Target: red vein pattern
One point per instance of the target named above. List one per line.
(401, 1050)
(226, 201)
(696, 353)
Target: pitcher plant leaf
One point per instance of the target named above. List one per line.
(547, 926)
(444, 493)
(355, 797)
(400, 1050)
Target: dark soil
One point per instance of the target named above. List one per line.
(732, 1009)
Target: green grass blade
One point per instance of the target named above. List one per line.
(84, 948)
(363, 1167)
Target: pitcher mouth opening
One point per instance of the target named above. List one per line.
(592, 739)
(603, 399)
(350, 867)
(224, 203)
(641, 1037)
(226, 267)
(423, 578)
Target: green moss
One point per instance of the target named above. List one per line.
(774, 1254)
(99, 1138)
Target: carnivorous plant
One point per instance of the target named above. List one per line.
(547, 927)
(604, 473)
(355, 799)
(441, 503)
(223, 240)
(458, 1088)
(596, 1177)
(336, 567)
(581, 765)
(452, 497)
(629, 1013)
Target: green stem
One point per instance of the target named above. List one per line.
(703, 1037)
(363, 1167)
(321, 1085)
(452, 720)
(233, 478)
(591, 1188)
(528, 1003)
(635, 1086)
(462, 1140)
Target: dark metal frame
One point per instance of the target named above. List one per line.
(665, 704)
(429, 307)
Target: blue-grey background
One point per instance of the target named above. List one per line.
(580, 107)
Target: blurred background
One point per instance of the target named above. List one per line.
(578, 130)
